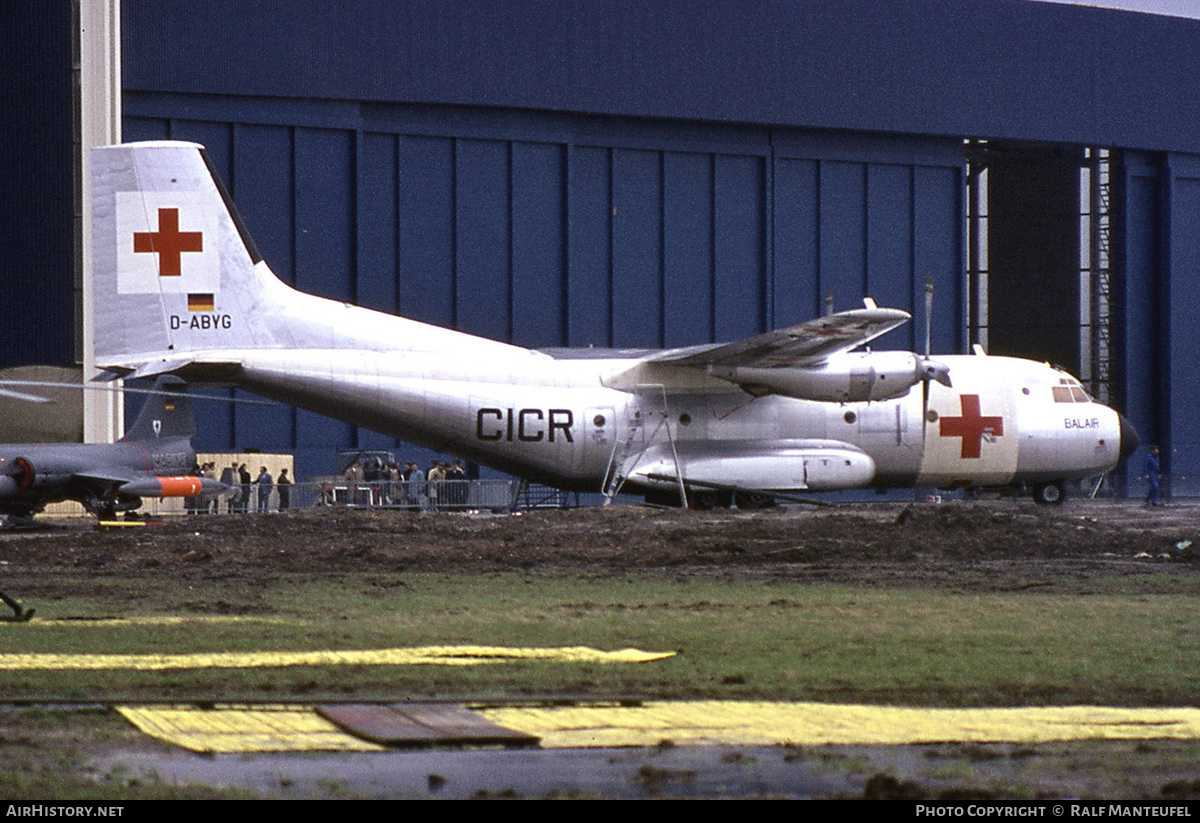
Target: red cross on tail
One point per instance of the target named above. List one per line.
(169, 242)
(971, 427)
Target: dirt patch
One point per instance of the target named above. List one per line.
(971, 545)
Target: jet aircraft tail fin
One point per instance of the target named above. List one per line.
(166, 413)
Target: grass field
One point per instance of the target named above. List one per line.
(1026, 639)
(1124, 642)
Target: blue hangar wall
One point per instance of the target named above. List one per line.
(567, 173)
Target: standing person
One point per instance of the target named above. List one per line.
(209, 499)
(192, 504)
(284, 486)
(265, 483)
(1152, 472)
(437, 473)
(391, 483)
(353, 477)
(246, 481)
(456, 491)
(414, 486)
(229, 476)
(371, 478)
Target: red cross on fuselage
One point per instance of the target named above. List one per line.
(971, 427)
(169, 242)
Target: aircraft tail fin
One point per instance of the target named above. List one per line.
(175, 270)
(166, 413)
(178, 284)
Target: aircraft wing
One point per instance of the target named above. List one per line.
(803, 344)
(110, 474)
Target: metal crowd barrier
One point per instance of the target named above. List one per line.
(445, 495)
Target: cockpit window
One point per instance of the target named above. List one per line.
(1069, 391)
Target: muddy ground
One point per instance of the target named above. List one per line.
(994, 545)
(989, 545)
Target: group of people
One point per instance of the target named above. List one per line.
(373, 482)
(369, 482)
(237, 477)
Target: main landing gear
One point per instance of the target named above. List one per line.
(1049, 494)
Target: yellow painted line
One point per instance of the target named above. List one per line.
(294, 728)
(150, 620)
(417, 656)
(764, 723)
(237, 730)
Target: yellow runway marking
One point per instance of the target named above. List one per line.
(162, 620)
(762, 723)
(417, 656)
(232, 730)
(293, 728)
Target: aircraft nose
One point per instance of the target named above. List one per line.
(8, 486)
(1129, 438)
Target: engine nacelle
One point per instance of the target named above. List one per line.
(854, 377)
(16, 475)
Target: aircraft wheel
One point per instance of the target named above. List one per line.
(709, 499)
(1049, 494)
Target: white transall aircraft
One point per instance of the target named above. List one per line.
(180, 289)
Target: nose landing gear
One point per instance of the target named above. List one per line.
(1049, 494)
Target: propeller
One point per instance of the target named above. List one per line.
(930, 369)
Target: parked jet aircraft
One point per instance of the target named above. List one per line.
(180, 289)
(152, 460)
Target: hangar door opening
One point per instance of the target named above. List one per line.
(1039, 265)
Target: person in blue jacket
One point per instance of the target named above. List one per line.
(1152, 472)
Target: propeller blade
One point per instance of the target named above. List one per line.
(928, 312)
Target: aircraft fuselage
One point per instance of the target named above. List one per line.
(566, 422)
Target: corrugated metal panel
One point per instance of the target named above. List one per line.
(1183, 244)
(739, 246)
(637, 248)
(426, 196)
(263, 185)
(890, 275)
(539, 244)
(797, 290)
(1141, 390)
(589, 261)
(482, 247)
(378, 224)
(325, 238)
(938, 253)
(688, 206)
